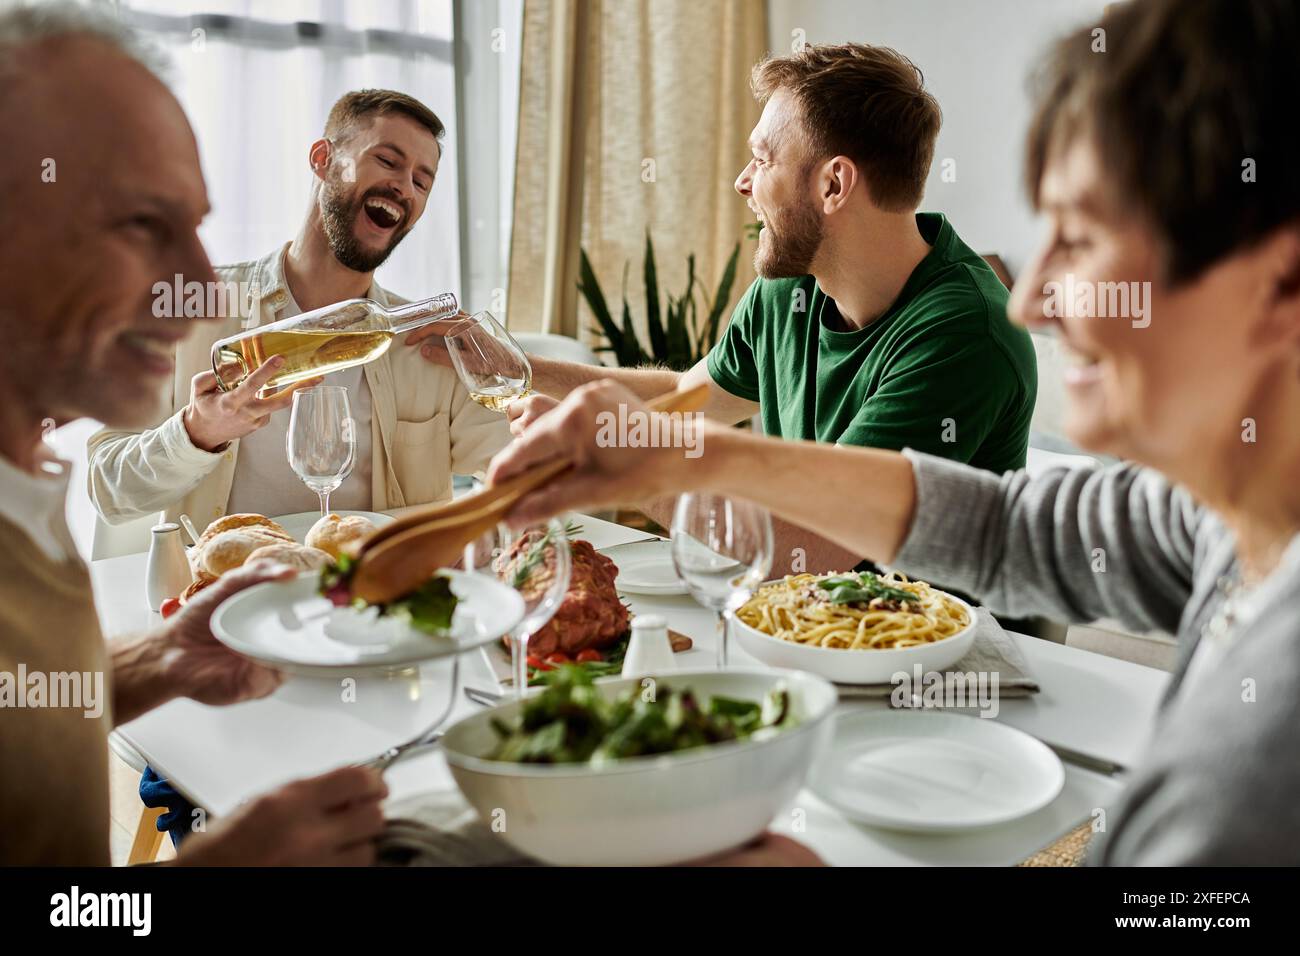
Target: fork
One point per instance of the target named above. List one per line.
(426, 738)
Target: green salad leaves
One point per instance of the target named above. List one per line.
(571, 721)
(429, 608)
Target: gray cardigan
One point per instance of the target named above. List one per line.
(1219, 782)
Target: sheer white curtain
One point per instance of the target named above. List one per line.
(257, 78)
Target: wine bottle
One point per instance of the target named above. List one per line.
(324, 340)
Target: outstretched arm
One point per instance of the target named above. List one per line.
(1076, 545)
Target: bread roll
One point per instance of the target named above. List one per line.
(201, 580)
(237, 521)
(295, 555)
(331, 533)
(230, 549)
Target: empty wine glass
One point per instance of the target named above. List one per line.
(321, 442)
(722, 550)
(537, 563)
(489, 361)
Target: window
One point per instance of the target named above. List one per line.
(257, 79)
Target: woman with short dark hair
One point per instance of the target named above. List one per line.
(1160, 154)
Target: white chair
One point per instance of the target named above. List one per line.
(113, 541)
(557, 347)
(1049, 449)
(1049, 408)
(148, 838)
(1041, 459)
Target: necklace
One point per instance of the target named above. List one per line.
(1223, 625)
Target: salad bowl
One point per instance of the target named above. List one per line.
(647, 810)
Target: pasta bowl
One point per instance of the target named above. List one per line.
(859, 665)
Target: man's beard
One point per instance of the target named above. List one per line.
(789, 249)
(338, 217)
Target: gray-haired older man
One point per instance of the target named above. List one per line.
(102, 198)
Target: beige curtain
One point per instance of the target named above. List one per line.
(634, 114)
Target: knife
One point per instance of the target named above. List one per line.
(1087, 761)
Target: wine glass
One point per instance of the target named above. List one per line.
(537, 563)
(722, 550)
(321, 441)
(489, 361)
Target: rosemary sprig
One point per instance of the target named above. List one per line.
(538, 551)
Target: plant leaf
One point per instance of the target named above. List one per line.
(679, 341)
(720, 299)
(654, 324)
(589, 287)
(629, 355)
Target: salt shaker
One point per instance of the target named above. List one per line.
(648, 651)
(169, 569)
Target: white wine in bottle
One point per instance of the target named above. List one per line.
(324, 340)
(307, 353)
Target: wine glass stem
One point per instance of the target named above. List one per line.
(324, 497)
(722, 640)
(519, 663)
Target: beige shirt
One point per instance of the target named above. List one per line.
(424, 427)
(54, 746)
(259, 484)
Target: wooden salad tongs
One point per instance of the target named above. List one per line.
(396, 559)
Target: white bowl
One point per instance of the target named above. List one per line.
(845, 666)
(647, 811)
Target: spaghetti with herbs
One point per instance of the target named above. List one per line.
(854, 611)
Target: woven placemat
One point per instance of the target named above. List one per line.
(1069, 850)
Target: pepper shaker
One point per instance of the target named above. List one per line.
(649, 651)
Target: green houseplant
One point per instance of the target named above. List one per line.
(680, 334)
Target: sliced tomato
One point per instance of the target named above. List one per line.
(170, 607)
(589, 655)
(537, 664)
(559, 658)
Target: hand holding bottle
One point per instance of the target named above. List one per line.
(214, 417)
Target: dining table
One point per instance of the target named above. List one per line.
(222, 757)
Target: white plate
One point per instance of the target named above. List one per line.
(299, 524)
(924, 771)
(646, 567)
(291, 627)
(845, 666)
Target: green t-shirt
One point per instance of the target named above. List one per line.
(943, 371)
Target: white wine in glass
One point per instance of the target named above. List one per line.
(499, 397)
(490, 363)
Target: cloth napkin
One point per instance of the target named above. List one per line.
(440, 829)
(993, 651)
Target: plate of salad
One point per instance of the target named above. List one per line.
(310, 625)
